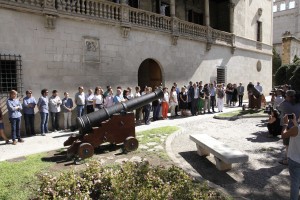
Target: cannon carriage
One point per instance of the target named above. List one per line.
(114, 125)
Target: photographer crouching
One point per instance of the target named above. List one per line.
(293, 152)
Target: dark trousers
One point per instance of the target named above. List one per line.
(241, 100)
(156, 110)
(147, 109)
(274, 129)
(89, 109)
(15, 128)
(176, 110)
(44, 122)
(194, 106)
(29, 124)
(212, 102)
(54, 120)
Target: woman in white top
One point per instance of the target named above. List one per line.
(98, 99)
(109, 99)
(89, 101)
(173, 100)
(293, 154)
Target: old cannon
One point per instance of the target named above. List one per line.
(255, 97)
(114, 125)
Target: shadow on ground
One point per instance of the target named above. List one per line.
(207, 169)
(261, 137)
(61, 157)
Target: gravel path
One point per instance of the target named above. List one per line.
(260, 178)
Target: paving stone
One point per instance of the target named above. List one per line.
(151, 143)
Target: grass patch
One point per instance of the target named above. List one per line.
(19, 178)
(238, 113)
(157, 135)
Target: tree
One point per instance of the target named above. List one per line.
(281, 75)
(295, 79)
(276, 61)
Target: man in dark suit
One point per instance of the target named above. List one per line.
(240, 90)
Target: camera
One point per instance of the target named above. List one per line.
(290, 116)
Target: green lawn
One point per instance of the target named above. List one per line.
(246, 113)
(19, 178)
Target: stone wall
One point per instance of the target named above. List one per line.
(93, 53)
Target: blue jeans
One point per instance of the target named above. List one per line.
(156, 110)
(294, 169)
(29, 124)
(80, 111)
(15, 128)
(44, 122)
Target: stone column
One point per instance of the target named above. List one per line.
(172, 8)
(231, 16)
(207, 17)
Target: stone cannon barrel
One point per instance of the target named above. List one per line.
(86, 122)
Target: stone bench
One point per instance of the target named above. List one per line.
(224, 155)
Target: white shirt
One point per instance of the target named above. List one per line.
(89, 99)
(196, 93)
(259, 88)
(166, 97)
(294, 147)
(98, 99)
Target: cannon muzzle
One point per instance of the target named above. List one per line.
(86, 122)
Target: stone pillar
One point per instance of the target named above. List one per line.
(207, 17)
(286, 49)
(172, 8)
(231, 16)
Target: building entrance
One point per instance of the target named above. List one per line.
(149, 74)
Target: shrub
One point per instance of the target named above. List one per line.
(281, 75)
(128, 181)
(295, 79)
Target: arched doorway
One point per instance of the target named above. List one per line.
(149, 74)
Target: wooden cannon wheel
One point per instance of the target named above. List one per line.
(131, 144)
(85, 150)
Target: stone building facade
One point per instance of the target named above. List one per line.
(286, 30)
(63, 44)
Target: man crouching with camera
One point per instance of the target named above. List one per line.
(293, 153)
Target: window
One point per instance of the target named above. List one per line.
(133, 3)
(10, 74)
(282, 6)
(292, 4)
(259, 31)
(221, 75)
(275, 8)
(195, 17)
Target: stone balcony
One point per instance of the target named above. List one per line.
(123, 15)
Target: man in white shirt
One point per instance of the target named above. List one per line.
(258, 87)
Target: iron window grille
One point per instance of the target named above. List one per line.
(10, 74)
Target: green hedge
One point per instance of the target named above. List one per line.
(128, 181)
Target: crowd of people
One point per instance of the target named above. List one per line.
(193, 99)
(284, 120)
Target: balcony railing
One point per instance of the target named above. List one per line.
(109, 12)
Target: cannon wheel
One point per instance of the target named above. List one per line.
(131, 144)
(85, 150)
